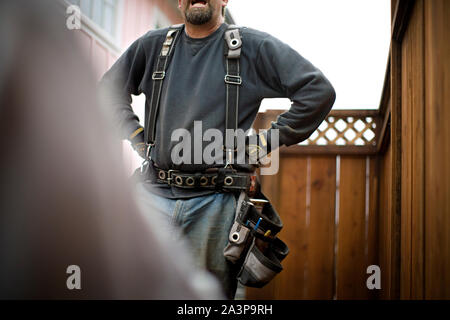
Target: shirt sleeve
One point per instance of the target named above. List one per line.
(284, 73)
(117, 86)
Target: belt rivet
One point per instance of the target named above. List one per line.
(179, 180)
(203, 181)
(162, 175)
(190, 181)
(228, 181)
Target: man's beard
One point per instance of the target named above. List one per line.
(199, 16)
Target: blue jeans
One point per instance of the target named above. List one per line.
(205, 223)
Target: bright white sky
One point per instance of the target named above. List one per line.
(347, 39)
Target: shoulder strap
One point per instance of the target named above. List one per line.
(233, 81)
(158, 78)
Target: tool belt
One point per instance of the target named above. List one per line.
(227, 179)
(253, 241)
(217, 179)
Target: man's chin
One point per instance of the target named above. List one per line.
(198, 16)
(199, 23)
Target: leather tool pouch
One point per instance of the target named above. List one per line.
(260, 267)
(253, 243)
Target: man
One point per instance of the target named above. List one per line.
(194, 90)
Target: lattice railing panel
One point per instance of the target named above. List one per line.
(341, 130)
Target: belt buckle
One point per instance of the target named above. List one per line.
(169, 176)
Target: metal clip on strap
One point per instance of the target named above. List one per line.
(158, 75)
(236, 80)
(234, 42)
(170, 38)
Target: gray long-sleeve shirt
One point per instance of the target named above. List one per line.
(194, 90)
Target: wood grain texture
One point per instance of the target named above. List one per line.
(351, 257)
(396, 169)
(290, 201)
(384, 223)
(373, 218)
(305, 189)
(291, 283)
(413, 155)
(321, 228)
(418, 157)
(437, 149)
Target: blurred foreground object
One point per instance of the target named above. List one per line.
(64, 199)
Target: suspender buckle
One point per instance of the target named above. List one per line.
(236, 80)
(149, 149)
(158, 75)
(228, 157)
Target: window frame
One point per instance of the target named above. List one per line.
(111, 42)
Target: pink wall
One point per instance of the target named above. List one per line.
(136, 20)
(138, 14)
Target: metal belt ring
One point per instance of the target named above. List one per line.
(162, 175)
(179, 180)
(235, 237)
(190, 181)
(213, 180)
(228, 181)
(203, 181)
(234, 43)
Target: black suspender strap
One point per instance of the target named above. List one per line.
(158, 78)
(233, 81)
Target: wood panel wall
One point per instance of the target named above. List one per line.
(425, 176)
(412, 154)
(328, 204)
(392, 209)
(385, 227)
(415, 168)
(437, 150)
